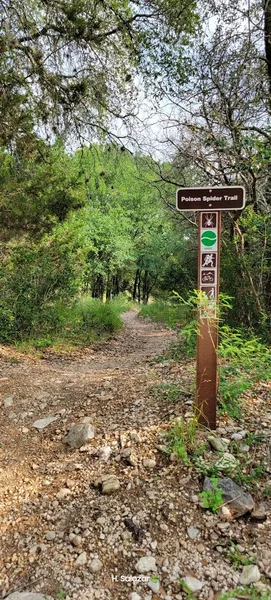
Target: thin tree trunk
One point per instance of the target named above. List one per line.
(135, 285)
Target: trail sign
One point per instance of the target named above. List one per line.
(215, 198)
(210, 202)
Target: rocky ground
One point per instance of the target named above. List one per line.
(91, 505)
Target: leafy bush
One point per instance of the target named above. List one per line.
(36, 280)
(243, 361)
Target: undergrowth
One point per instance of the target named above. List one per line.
(173, 314)
(243, 358)
(87, 321)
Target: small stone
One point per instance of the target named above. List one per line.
(125, 453)
(96, 565)
(193, 532)
(77, 541)
(104, 453)
(87, 420)
(42, 423)
(79, 434)
(226, 511)
(244, 448)
(8, 401)
(135, 437)
(50, 535)
(108, 482)
(132, 460)
(259, 512)
(227, 462)
(217, 443)
(134, 596)
(81, 559)
(25, 430)
(146, 564)
(149, 463)
(63, 493)
(154, 584)
(195, 585)
(237, 437)
(194, 498)
(250, 574)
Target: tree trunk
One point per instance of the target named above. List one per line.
(135, 285)
(267, 38)
(98, 288)
(145, 294)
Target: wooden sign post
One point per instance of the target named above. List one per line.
(209, 202)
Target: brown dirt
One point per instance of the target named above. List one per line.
(113, 385)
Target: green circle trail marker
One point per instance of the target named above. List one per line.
(209, 202)
(208, 238)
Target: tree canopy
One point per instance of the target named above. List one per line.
(71, 65)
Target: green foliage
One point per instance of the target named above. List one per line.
(243, 361)
(181, 439)
(213, 498)
(171, 314)
(250, 475)
(38, 189)
(168, 391)
(98, 316)
(189, 594)
(237, 558)
(76, 90)
(61, 595)
(249, 593)
(36, 279)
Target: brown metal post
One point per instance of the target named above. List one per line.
(208, 282)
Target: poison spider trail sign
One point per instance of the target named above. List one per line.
(214, 198)
(209, 202)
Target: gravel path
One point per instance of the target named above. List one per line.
(65, 538)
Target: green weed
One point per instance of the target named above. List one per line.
(254, 439)
(237, 558)
(181, 438)
(61, 595)
(168, 391)
(248, 593)
(186, 588)
(166, 312)
(212, 499)
(251, 478)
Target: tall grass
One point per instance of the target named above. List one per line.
(83, 323)
(174, 315)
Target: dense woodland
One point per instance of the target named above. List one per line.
(86, 210)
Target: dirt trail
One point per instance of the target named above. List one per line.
(44, 532)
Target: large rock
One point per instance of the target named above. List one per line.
(42, 423)
(238, 500)
(79, 434)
